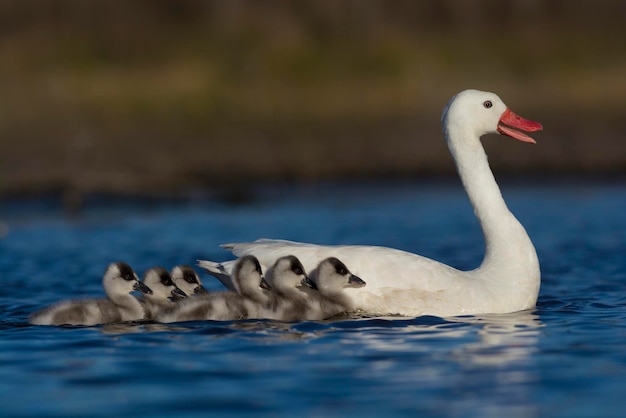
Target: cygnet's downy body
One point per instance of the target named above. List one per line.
(247, 279)
(120, 306)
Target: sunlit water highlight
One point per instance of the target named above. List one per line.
(565, 358)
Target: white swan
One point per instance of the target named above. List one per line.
(118, 281)
(402, 283)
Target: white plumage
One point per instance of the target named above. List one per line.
(400, 282)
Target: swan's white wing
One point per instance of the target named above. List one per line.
(509, 277)
(221, 271)
(380, 267)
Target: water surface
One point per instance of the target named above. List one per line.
(565, 358)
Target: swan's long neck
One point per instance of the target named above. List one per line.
(507, 245)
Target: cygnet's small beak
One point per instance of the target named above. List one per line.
(139, 286)
(200, 290)
(310, 283)
(178, 294)
(355, 281)
(264, 284)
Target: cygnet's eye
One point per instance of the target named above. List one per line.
(297, 270)
(189, 278)
(487, 104)
(342, 271)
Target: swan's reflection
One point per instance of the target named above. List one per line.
(483, 365)
(503, 338)
(495, 339)
(474, 365)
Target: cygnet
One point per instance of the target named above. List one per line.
(243, 276)
(247, 279)
(289, 300)
(328, 282)
(187, 280)
(164, 295)
(119, 281)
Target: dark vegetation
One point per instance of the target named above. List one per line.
(163, 97)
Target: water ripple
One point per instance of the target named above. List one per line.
(567, 357)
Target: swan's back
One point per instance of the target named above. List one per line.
(371, 263)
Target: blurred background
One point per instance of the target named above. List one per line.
(161, 97)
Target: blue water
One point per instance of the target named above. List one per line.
(566, 358)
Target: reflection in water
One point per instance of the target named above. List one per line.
(482, 340)
(489, 365)
(484, 365)
(504, 357)
(495, 339)
(140, 327)
(503, 338)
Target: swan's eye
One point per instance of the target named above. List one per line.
(342, 271)
(487, 104)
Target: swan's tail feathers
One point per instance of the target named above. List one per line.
(260, 245)
(220, 271)
(242, 246)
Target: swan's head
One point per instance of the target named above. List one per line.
(248, 276)
(187, 280)
(162, 285)
(479, 112)
(121, 279)
(332, 276)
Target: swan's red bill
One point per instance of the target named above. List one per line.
(510, 120)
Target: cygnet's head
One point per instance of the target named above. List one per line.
(248, 276)
(162, 285)
(332, 276)
(120, 278)
(286, 274)
(187, 280)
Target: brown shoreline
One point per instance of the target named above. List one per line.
(150, 97)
